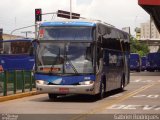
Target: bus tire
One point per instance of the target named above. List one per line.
(52, 96)
(101, 93)
(138, 70)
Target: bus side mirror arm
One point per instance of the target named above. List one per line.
(35, 42)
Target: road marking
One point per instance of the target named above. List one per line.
(139, 80)
(134, 107)
(151, 96)
(111, 102)
(145, 81)
(147, 96)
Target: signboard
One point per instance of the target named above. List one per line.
(66, 14)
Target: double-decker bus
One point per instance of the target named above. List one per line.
(81, 57)
(16, 54)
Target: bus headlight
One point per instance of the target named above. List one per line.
(86, 82)
(42, 82)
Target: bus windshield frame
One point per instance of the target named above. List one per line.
(65, 57)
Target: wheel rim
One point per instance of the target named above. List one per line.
(122, 85)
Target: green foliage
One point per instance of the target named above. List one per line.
(137, 47)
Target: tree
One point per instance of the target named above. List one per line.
(137, 47)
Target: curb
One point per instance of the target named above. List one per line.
(16, 96)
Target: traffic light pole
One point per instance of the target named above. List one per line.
(49, 13)
(36, 36)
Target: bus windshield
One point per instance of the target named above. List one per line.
(16, 47)
(64, 58)
(66, 33)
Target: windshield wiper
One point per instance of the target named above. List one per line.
(73, 67)
(67, 60)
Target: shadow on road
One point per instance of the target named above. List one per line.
(77, 98)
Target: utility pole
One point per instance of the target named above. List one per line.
(150, 27)
(70, 9)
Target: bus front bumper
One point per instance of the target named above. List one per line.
(66, 89)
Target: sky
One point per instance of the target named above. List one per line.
(120, 13)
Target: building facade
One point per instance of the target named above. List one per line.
(150, 34)
(149, 30)
(8, 37)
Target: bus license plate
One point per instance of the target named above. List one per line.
(64, 90)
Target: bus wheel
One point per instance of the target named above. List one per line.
(101, 93)
(138, 70)
(52, 96)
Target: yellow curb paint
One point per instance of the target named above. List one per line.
(16, 96)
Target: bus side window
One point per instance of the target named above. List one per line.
(31, 51)
(106, 58)
(23, 50)
(119, 61)
(1, 51)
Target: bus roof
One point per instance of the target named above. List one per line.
(88, 23)
(15, 40)
(134, 54)
(77, 22)
(68, 23)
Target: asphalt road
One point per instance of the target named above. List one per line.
(141, 97)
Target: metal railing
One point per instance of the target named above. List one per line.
(17, 81)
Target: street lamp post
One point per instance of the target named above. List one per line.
(26, 32)
(20, 29)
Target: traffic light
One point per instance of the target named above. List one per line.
(66, 14)
(38, 15)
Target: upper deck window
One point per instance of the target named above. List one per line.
(16, 47)
(66, 33)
